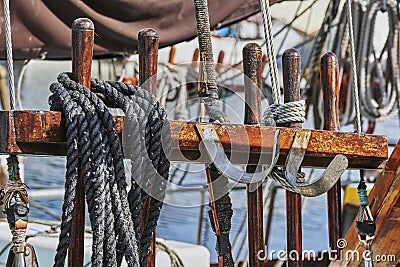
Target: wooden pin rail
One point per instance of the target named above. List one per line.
(329, 67)
(82, 53)
(148, 58)
(291, 67)
(253, 115)
(43, 133)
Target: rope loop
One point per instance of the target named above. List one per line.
(114, 212)
(290, 112)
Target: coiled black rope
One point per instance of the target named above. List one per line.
(92, 131)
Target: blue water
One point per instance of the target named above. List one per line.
(176, 222)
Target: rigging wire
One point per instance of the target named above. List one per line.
(270, 50)
(354, 68)
(283, 28)
(10, 62)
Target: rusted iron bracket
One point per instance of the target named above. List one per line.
(216, 153)
(293, 163)
(43, 133)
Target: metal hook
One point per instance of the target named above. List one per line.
(217, 155)
(293, 162)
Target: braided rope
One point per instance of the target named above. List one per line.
(103, 169)
(285, 113)
(290, 112)
(223, 206)
(210, 100)
(145, 103)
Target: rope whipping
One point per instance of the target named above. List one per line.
(221, 211)
(91, 131)
(209, 96)
(379, 88)
(176, 261)
(10, 62)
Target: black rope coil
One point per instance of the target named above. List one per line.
(91, 131)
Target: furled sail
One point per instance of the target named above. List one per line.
(41, 28)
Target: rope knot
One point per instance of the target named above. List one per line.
(291, 112)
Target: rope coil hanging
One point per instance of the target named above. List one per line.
(379, 89)
(92, 131)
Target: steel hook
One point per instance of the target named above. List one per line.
(293, 162)
(215, 152)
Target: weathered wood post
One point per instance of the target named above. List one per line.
(291, 91)
(252, 66)
(171, 58)
(330, 89)
(220, 61)
(148, 59)
(195, 58)
(82, 53)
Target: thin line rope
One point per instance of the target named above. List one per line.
(10, 63)
(270, 50)
(283, 28)
(354, 69)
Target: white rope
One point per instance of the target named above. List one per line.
(10, 63)
(270, 50)
(289, 112)
(354, 69)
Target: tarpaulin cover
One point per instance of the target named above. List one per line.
(43, 27)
